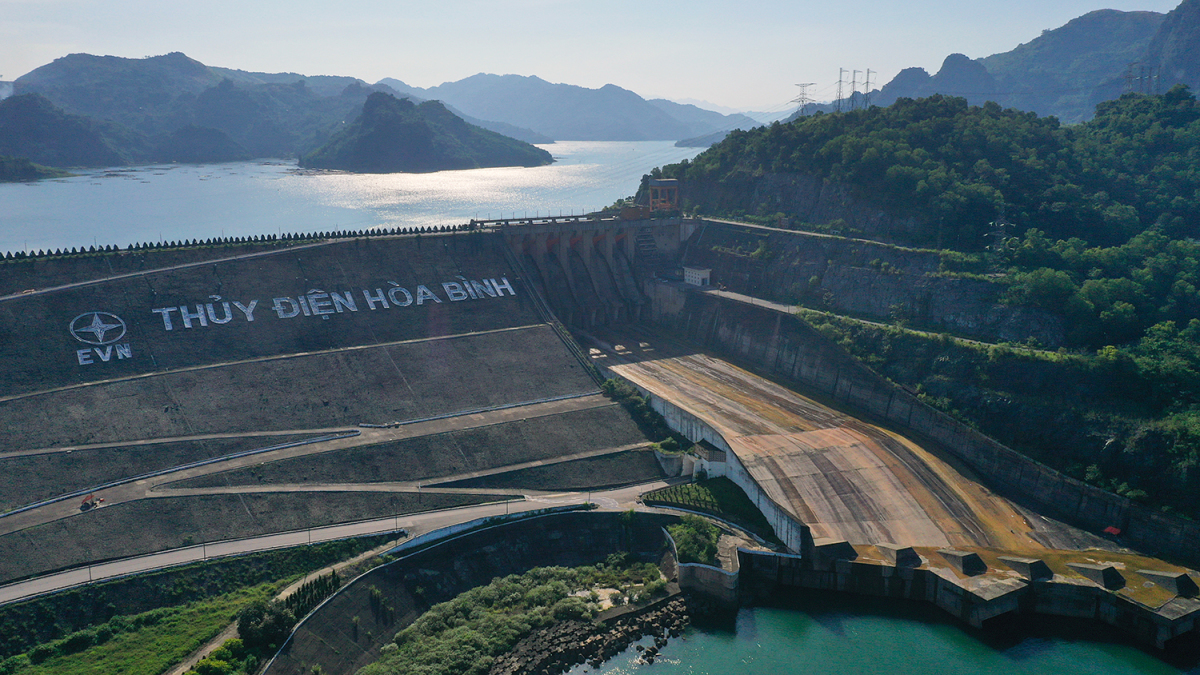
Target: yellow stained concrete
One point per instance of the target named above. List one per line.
(844, 478)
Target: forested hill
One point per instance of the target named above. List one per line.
(953, 169)
(392, 135)
(1096, 223)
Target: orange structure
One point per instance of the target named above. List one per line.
(664, 194)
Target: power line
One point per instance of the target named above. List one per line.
(867, 90)
(803, 99)
(838, 98)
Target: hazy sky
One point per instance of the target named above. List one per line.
(745, 55)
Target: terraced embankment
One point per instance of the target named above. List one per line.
(207, 400)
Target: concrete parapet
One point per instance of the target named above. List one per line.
(826, 552)
(1105, 575)
(900, 556)
(969, 564)
(1032, 569)
(1178, 583)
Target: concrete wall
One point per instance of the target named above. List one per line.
(794, 534)
(763, 574)
(787, 348)
(707, 579)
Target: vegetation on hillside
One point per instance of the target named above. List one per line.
(959, 168)
(1096, 223)
(465, 635)
(394, 135)
(719, 496)
(143, 644)
(695, 540)
(26, 625)
(647, 419)
(33, 127)
(1125, 419)
(16, 169)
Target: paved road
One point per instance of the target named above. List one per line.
(142, 488)
(414, 524)
(791, 309)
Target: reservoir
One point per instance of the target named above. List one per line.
(126, 205)
(836, 635)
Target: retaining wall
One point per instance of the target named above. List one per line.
(348, 630)
(794, 534)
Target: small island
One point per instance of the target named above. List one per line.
(395, 135)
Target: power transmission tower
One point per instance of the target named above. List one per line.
(841, 74)
(853, 87)
(803, 99)
(867, 90)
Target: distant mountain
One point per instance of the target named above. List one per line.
(174, 108)
(1175, 48)
(701, 121)
(392, 135)
(561, 111)
(33, 128)
(6, 90)
(1064, 72)
(512, 131)
(198, 145)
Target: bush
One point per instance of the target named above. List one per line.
(695, 540)
(262, 625)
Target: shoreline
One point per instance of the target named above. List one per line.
(562, 646)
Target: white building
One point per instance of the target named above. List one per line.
(697, 276)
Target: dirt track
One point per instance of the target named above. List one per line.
(845, 478)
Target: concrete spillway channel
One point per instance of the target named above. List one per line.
(860, 487)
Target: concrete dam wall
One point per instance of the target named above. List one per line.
(590, 271)
(785, 347)
(304, 338)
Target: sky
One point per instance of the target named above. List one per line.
(739, 55)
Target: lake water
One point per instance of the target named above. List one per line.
(174, 202)
(854, 637)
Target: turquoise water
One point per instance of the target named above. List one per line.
(174, 202)
(770, 641)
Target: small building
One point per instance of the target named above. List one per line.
(664, 194)
(697, 276)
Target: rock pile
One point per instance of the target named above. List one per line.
(560, 647)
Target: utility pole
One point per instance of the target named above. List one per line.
(803, 99)
(853, 88)
(867, 90)
(841, 74)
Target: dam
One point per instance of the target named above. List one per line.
(213, 392)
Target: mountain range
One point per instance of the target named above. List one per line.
(569, 112)
(86, 110)
(1066, 71)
